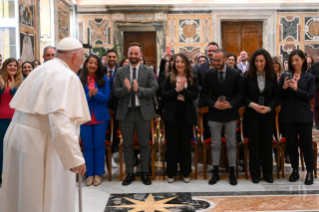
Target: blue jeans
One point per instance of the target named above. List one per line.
(93, 138)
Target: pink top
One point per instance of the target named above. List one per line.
(6, 111)
(91, 85)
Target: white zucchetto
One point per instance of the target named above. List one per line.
(69, 44)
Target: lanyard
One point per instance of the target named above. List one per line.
(242, 68)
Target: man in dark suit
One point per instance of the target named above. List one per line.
(314, 70)
(201, 72)
(110, 58)
(135, 85)
(223, 93)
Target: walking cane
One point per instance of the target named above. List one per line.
(80, 191)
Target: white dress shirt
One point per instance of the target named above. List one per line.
(137, 101)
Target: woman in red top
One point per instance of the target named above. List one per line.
(10, 80)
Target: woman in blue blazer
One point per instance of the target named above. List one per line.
(296, 115)
(97, 89)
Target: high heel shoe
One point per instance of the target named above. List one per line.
(97, 180)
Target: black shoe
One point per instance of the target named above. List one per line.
(287, 159)
(269, 180)
(232, 178)
(214, 179)
(255, 180)
(145, 179)
(294, 176)
(241, 163)
(129, 179)
(309, 178)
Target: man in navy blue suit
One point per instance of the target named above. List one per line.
(110, 70)
(201, 72)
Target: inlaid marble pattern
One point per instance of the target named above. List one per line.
(313, 50)
(286, 49)
(100, 31)
(265, 203)
(171, 31)
(206, 30)
(189, 30)
(290, 28)
(311, 28)
(190, 52)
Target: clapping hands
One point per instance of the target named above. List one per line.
(180, 85)
(12, 83)
(93, 92)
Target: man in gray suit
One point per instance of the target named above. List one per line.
(135, 85)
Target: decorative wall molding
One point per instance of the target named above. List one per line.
(311, 28)
(269, 18)
(172, 33)
(189, 30)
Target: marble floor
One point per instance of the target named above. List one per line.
(197, 195)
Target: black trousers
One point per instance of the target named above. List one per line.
(178, 136)
(260, 146)
(304, 130)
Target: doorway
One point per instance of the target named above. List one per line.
(148, 43)
(242, 36)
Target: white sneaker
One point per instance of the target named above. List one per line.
(114, 165)
(186, 179)
(170, 180)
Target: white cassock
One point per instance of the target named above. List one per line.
(42, 142)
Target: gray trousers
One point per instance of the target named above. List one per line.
(216, 131)
(134, 121)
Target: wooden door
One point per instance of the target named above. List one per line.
(148, 43)
(242, 36)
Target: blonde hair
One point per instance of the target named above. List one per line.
(18, 78)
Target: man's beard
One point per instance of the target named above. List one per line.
(243, 60)
(136, 61)
(111, 64)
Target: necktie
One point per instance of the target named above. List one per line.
(133, 103)
(221, 77)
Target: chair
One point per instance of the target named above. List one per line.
(108, 145)
(275, 144)
(136, 146)
(194, 145)
(207, 143)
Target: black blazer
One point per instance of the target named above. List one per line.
(231, 88)
(201, 72)
(314, 70)
(252, 93)
(169, 98)
(296, 107)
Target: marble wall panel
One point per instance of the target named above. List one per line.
(189, 30)
(290, 28)
(27, 13)
(313, 51)
(190, 51)
(99, 31)
(286, 49)
(64, 21)
(311, 28)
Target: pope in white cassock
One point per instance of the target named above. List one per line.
(41, 146)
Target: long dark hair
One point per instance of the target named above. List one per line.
(34, 62)
(188, 68)
(302, 56)
(232, 55)
(269, 67)
(122, 61)
(99, 74)
(25, 76)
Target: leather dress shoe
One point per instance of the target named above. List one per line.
(287, 159)
(213, 180)
(309, 178)
(145, 179)
(255, 180)
(294, 176)
(269, 180)
(129, 179)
